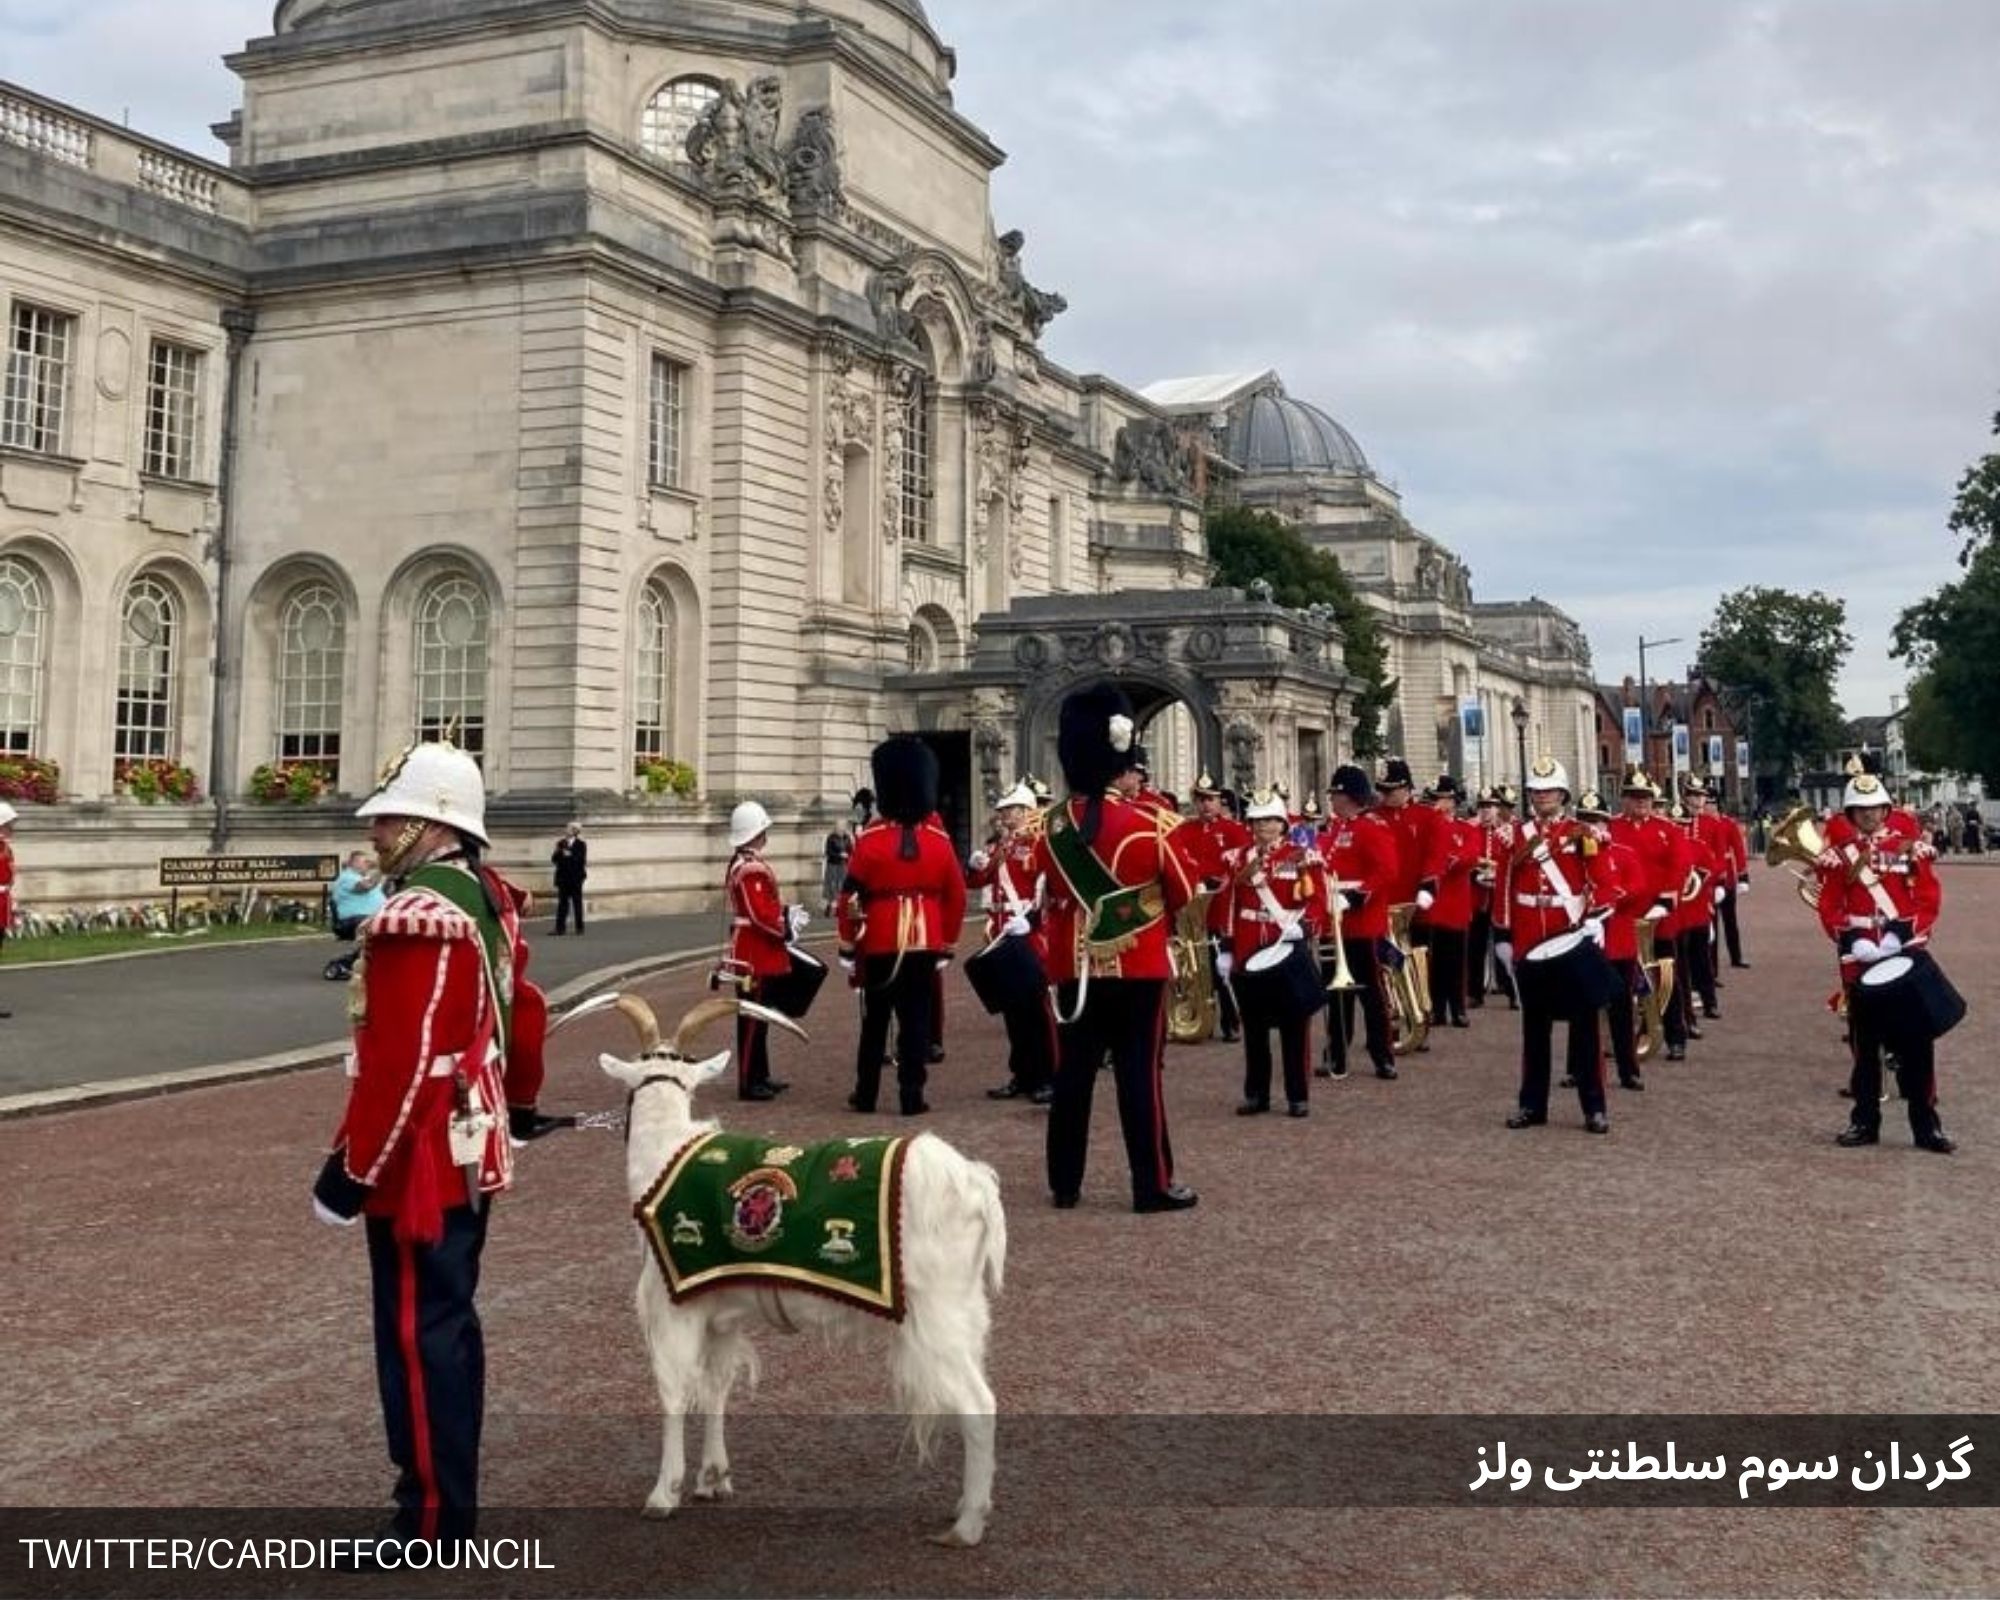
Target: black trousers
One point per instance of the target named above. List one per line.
(1679, 1009)
(569, 899)
(1584, 1060)
(1478, 942)
(1624, 1020)
(1294, 1044)
(1697, 965)
(1447, 973)
(1366, 968)
(430, 1364)
(902, 987)
(1916, 1070)
(1732, 936)
(1225, 997)
(753, 1043)
(1031, 1043)
(1125, 1018)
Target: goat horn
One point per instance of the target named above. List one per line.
(640, 1015)
(585, 1008)
(710, 1012)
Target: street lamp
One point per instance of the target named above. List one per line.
(1646, 699)
(1520, 716)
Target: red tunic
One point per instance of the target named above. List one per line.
(1207, 845)
(425, 1016)
(758, 931)
(1697, 901)
(1848, 908)
(1362, 856)
(1295, 878)
(1662, 853)
(1465, 842)
(1134, 847)
(902, 905)
(1010, 882)
(1421, 843)
(1725, 846)
(1620, 889)
(1540, 902)
(6, 887)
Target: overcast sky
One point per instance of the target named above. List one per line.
(1636, 303)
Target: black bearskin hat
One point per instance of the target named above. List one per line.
(1094, 751)
(906, 785)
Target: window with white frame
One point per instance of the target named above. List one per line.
(671, 114)
(148, 670)
(451, 648)
(24, 612)
(39, 345)
(653, 676)
(666, 433)
(919, 497)
(173, 388)
(312, 638)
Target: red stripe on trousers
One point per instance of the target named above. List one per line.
(1166, 1177)
(413, 1368)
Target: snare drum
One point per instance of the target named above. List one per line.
(1282, 982)
(1568, 976)
(1007, 974)
(792, 993)
(1907, 1000)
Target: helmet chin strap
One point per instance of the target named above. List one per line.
(396, 860)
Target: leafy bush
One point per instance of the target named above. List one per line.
(30, 778)
(155, 779)
(667, 777)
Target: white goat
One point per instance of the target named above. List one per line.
(954, 1237)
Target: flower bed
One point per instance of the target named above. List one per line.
(30, 778)
(293, 782)
(667, 777)
(156, 779)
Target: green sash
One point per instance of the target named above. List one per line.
(736, 1209)
(1116, 913)
(463, 891)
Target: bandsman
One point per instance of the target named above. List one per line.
(1451, 912)
(761, 930)
(1005, 870)
(1362, 862)
(1208, 838)
(7, 817)
(1499, 845)
(1420, 845)
(1664, 863)
(1621, 895)
(1724, 843)
(1479, 931)
(1691, 920)
(1276, 895)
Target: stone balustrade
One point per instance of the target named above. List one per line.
(118, 156)
(36, 127)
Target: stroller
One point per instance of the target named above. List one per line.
(341, 967)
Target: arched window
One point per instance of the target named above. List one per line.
(148, 673)
(24, 612)
(452, 619)
(921, 654)
(919, 485)
(653, 676)
(670, 117)
(312, 638)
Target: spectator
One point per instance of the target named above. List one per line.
(357, 895)
(833, 870)
(7, 815)
(572, 860)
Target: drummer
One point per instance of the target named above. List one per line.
(1005, 869)
(1276, 897)
(1879, 897)
(761, 928)
(1209, 836)
(1360, 853)
(1621, 894)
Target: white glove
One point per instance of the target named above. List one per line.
(1659, 913)
(1425, 899)
(1866, 951)
(798, 919)
(979, 860)
(847, 963)
(332, 1218)
(1225, 964)
(1721, 894)
(1294, 931)
(1015, 927)
(1594, 927)
(1890, 943)
(1503, 952)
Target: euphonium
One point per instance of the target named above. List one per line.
(1409, 986)
(1191, 1007)
(1797, 839)
(1659, 971)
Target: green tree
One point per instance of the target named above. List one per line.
(1778, 653)
(1246, 545)
(1953, 640)
(1975, 513)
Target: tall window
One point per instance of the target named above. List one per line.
(452, 620)
(666, 431)
(38, 356)
(148, 661)
(172, 390)
(653, 674)
(312, 635)
(670, 117)
(24, 610)
(919, 450)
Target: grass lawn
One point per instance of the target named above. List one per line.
(124, 941)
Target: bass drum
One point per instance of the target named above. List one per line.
(792, 993)
(1281, 982)
(1007, 975)
(1568, 976)
(1907, 1000)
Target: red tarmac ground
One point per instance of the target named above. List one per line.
(178, 1331)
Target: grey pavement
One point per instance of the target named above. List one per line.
(106, 1020)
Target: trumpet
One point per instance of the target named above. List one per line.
(1343, 978)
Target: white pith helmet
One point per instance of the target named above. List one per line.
(434, 783)
(746, 822)
(1019, 795)
(1267, 806)
(1864, 789)
(1547, 773)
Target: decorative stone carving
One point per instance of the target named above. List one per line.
(1151, 454)
(1031, 652)
(990, 454)
(850, 419)
(886, 290)
(1260, 590)
(1037, 308)
(1114, 645)
(1204, 644)
(733, 146)
(1020, 456)
(812, 163)
(902, 381)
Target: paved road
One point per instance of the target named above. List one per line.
(94, 1022)
(186, 1335)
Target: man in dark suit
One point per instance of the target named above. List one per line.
(571, 859)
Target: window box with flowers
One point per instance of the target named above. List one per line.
(296, 783)
(30, 778)
(657, 777)
(156, 779)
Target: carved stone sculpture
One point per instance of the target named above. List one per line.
(886, 290)
(812, 163)
(733, 146)
(1150, 453)
(1037, 308)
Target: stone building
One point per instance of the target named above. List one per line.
(618, 385)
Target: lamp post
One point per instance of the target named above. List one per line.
(1520, 719)
(1646, 699)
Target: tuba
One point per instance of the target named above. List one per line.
(1659, 975)
(1797, 840)
(1191, 1007)
(1409, 986)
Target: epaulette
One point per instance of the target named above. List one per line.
(419, 914)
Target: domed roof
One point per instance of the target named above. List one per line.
(1270, 432)
(293, 14)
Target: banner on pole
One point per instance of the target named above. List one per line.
(1743, 760)
(1635, 737)
(1683, 756)
(1715, 754)
(1472, 718)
